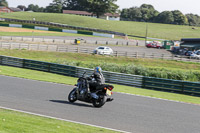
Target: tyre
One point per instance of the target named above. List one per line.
(72, 97)
(99, 102)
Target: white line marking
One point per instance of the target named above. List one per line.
(63, 119)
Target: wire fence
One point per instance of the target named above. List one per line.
(76, 49)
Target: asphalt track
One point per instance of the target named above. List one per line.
(129, 113)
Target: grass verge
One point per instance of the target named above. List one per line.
(41, 34)
(15, 122)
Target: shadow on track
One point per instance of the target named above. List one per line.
(66, 102)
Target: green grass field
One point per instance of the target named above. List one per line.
(155, 30)
(85, 60)
(15, 122)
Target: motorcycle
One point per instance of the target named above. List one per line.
(83, 93)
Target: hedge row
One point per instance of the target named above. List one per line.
(141, 70)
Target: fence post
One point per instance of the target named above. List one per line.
(144, 55)
(66, 49)
(152, 55)
(116, 54)
(1, 58)
(182, 87)
(56, 48)
(126, 54)
(143, 82)
(23, 63)
(49, 67)
(181, 57)
(10, 46)
(136, 54)
(162, 56)
(172, 57)
(29, 46)
(77, 50)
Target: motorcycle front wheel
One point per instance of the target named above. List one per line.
(99, 102)
(72, 97)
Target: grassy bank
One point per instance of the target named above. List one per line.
(165, 31)
(147, 67)
(15, 122)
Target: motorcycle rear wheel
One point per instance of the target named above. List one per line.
(72, 97)
(99, 102)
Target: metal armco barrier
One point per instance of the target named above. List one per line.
(171, 85)
(111, 77)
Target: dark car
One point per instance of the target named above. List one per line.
(188, 53)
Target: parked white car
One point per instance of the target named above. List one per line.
(102, 50)
(195, 54)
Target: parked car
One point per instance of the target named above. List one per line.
(102, 50)
(154, 44)
(175, 50)
(196, 55)
(188, 53)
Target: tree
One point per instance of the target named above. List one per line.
(100, 7)
(143, 13)
(55, 7)
(3, 3)
(165, 17)
(80, 5)
(22, 7)
(179, 18)
(32, 7)
(131, 14)
(97, 7)
(147, 6)
(193, 20)
(148, 12)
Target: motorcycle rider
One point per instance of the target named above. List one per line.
(96, 80)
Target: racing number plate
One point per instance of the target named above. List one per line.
(108, 92)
